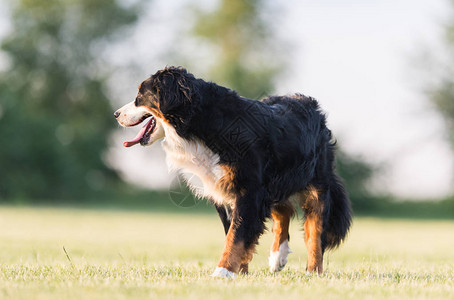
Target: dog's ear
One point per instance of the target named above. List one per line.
(177, 93)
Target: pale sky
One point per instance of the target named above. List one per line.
(358, 58)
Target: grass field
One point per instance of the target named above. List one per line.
(145, 255)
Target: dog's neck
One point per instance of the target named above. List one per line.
(197, 163)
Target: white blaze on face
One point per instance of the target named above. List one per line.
(131, 115)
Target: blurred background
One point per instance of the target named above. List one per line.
(383, 70)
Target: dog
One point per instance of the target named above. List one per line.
(256, 159)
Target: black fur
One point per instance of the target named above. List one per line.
(225, 214)
(277, 146)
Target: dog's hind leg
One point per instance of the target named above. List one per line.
(281, 214)
(313, 207)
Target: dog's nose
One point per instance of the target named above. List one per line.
(116, 114)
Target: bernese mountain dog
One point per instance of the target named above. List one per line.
(256, 159)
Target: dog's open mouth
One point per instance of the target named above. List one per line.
(144, 134)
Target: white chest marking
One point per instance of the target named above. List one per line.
(197, 164)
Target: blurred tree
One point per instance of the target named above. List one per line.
(249, 62)
(55, 118)
(247, 58)
(356, 173)
(441, 89)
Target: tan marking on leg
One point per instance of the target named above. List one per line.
(279, 251)
(281, 219)
(312, 236)
(227, 182)
(247, 257)
(233, 253)
(244, 269)
(235, 256)
(311, 202)
(313, 227)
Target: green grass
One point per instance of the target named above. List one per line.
(123, 255)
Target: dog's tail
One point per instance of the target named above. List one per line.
(338, 214)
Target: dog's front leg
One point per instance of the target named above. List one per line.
(245, 228)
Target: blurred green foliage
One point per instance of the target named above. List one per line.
(55, 116)
(441, 92)
(245, 58)
(442, 97)
(356, 174)
(441, 79)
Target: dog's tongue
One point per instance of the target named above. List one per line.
(136, 140)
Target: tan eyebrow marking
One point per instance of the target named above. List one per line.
(140, 85)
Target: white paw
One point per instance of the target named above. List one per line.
(278, 259)
(223, 273)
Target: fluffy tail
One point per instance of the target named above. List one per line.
(338, 216)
